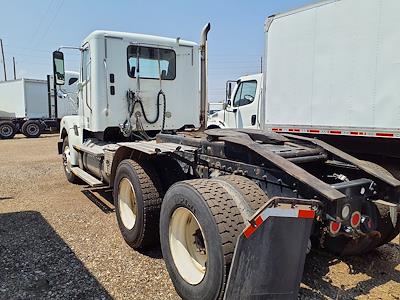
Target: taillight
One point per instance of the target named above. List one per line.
(334, 227)
(355, 219)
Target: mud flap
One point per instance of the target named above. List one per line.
(269, 256)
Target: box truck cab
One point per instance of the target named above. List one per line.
(242, 106)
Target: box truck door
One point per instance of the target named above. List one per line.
(246, 104)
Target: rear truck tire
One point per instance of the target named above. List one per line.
(137, 200)
(7, 130)
(385, 226)
(347, 246)
(199, 227)
(66, 157)
(32, 129)
(249, 190)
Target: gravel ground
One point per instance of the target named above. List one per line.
(56, 243)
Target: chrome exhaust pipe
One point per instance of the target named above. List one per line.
(203, 77)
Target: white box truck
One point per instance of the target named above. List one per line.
(332, 70)
(28, 105)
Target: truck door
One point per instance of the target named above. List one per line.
(85, 92)
(245, 104)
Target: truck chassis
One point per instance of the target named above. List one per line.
(235, 173)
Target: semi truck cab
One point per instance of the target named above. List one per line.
(242, 106)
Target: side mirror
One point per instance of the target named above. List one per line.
(229, 90)
(58, 68)
(80, 86)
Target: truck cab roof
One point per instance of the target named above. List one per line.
(144, 38)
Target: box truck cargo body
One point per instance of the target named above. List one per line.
(334, 68)
(24, 98)
(29, 105)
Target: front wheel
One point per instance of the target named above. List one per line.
(66, 158)
(199, 227)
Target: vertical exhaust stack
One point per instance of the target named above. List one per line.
(203, 77)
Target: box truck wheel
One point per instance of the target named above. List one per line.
(7, 130)
(199, 227)
(137, 203)
(32, 129)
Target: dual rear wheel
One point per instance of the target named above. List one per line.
(197, 223)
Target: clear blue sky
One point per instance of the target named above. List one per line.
(31, 30)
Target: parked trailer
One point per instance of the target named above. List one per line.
(28, 105)
(331, 78)
(214, 199)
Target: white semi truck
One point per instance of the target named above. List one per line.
(28, 105)
(232, 209)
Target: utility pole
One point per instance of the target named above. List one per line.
(15, 73)
(4, 62)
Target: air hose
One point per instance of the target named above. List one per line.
(133, 99)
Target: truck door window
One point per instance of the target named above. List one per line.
(72, 80)
(245, 93)
(148, 62)
(86, 64)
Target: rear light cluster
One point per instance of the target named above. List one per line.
(355, 220)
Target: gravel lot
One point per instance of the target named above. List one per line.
(56, 243)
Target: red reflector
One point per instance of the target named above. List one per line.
(383, 134)
(355, 219)
(306, 214)
(334, 227)
(276, 129)
(251, 228)
(354, 133)
(294, 130)
(313, 130)
(335, 132)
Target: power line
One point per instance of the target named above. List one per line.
(41, 20)
(51, 21)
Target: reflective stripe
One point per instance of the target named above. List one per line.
(277, 212)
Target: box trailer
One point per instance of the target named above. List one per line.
(331, 70)
(29, 106)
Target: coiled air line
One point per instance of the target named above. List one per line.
(134, 98)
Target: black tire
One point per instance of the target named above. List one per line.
(7, 130)
(221, 224)
(346, 246)
(32, 129)
(250, 191)
(71, 177)
(385, 226)
(144, 181)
